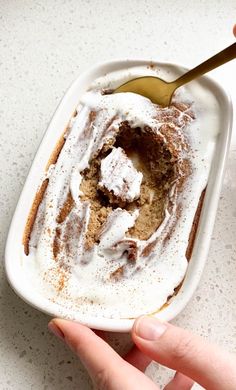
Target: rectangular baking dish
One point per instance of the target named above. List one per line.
(15, 269)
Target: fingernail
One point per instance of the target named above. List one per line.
(149, 328)
(54, 328)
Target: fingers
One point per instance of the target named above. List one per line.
(106, 368)
(234, 30)
(141, 361)
(137, 359)
(180, 350)
(134, 356)
(181, 382)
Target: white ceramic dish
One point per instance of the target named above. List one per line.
(13, 260)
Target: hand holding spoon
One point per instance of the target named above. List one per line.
(161, 92)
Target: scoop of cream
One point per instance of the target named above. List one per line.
(119, 176)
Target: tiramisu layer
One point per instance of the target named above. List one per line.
(114, 217)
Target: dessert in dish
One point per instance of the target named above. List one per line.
(110, 226)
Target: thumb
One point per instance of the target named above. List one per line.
(180, 350)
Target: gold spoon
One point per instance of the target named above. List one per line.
(161, 92)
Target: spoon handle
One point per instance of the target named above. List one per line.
(221, 58)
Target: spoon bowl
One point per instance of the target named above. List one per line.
(157, 90)
(161, 92)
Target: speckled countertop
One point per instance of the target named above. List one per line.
(44, 45)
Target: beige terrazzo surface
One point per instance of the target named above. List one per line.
(44, 45)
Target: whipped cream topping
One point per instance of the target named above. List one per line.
(87, 278)
(119, 176)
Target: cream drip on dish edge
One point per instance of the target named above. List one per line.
(141, 292)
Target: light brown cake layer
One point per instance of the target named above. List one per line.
(159, 171)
